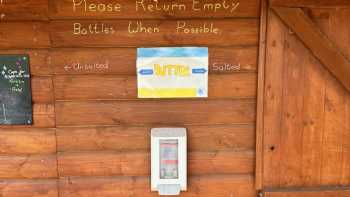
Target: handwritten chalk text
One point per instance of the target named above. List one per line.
(204, 28)
(139, 27)
(226, 67)
(195, 6)
(95, 7)
(78, 66)
(95, 28)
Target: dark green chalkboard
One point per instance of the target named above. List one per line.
(15, 90)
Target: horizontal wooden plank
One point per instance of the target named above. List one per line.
(24, 10)
(102, 87)
(27, 141)
(39, 60)
(221, 162)
(317, 192)
(28, 167)
(24, 35)
(200, 138)
(28, 188)
(44, 115)
(138, 163)
(155, 112)
(200, 186)
(164, 32)
(42, 90)
(63, 9)
(311, 3)
(123, 60)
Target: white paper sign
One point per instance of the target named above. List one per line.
(174, 72)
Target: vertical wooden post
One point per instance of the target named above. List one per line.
(260, 97)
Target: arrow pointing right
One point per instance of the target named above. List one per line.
(199, 71)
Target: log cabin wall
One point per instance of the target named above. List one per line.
(90, 135)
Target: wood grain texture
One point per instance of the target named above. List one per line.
(241, 85)
(63, 9)
(24, 35)
(159, 112)
(311, 3)
(221, 130)
(225, 137)
(199, 186)
(334, 119)
(245, 33)
(336, 192)
(28, 188)
(346, 146)
(339, 17)
(28, 167)
(331, 20)
(273, 101)
(260, 96)
(44, 115)
(39, 60)
(27, 141)
(312, 135)
(325, 50)
(27, 10)
(335, 139)
(313, 122)
(220, 149)
(138, 163)
(122, 60)
(292, 112)
(42, 90)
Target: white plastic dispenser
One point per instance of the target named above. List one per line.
(168, 160)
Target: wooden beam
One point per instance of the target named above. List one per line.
(317, 42)
(310, 3)
(260, 98)
(309, 192)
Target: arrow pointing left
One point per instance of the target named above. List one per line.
(146, 72)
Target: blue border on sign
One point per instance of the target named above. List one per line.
(173, 52)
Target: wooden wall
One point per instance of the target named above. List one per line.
(90, 135)
(307, 110)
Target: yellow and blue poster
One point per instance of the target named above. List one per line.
(172, 72)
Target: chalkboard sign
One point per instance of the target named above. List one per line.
(15, 90)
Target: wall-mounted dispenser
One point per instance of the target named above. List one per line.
(168, 160)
